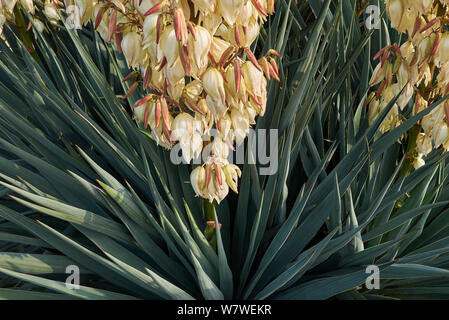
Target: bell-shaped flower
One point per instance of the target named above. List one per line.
(169, 47)
(229, 9)
(219, 148)
(256, 85)
(442, 56)
(240, 125)
(198, 181)
(132, 49)
(440, 134)
(232, 174)
(207, 6)
(187, 131)
(8, 5)
(213, 84)
(395, 11)
(51, 12)
(199, 48)
(28, 5)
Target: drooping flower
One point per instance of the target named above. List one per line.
(188, 132)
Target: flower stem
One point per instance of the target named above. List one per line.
(209, 232)
(410, 152)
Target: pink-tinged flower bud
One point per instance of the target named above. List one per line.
(132, 49)
(187, 131)
(101, 21)
(142, 6)
(235, 84)
(180, 26)
(214, 85)
(145, 112)
(378, 75)
(198, 180)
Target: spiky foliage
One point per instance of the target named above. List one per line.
(82, 185)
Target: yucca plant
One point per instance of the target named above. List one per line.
(83, 185)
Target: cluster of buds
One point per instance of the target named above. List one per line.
(419, 67)
(193, 57)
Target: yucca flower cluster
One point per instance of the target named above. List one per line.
(194, 57)
(49, 8)
(420, 66)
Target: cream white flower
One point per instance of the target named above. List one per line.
(189, 134)
(240, 124)
(132, 49)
